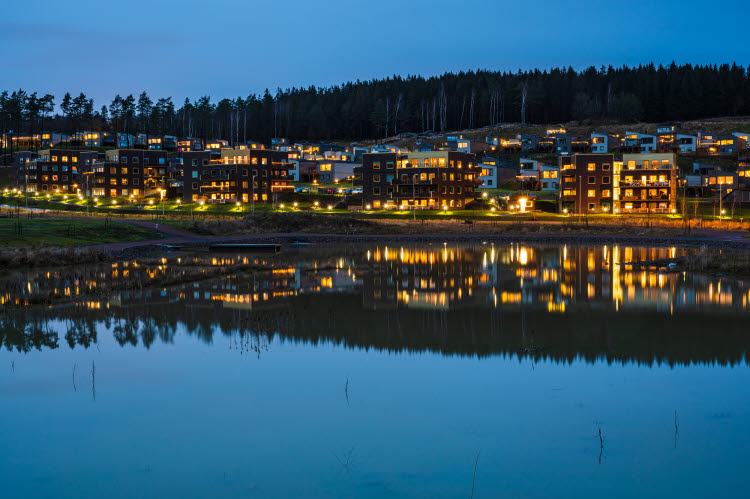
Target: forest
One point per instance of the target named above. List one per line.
(386, 107)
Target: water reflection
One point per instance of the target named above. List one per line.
(557, 302)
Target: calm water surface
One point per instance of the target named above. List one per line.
(376, 371)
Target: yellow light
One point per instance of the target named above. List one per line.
(316, 203)
(150, 201)
(565, 211)
(114, 202)
(295, 204)
(484, 194)
(282, 206)
(492, 209)
(368, 206)
(674, 210)
(330, 207)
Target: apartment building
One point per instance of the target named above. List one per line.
(646, 183)
(57, 170)
(430, 180)
(586, 183)
(130, 173)
(239, 175)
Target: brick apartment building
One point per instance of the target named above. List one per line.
(130, 173)
(640, 183)
(239, 175)
(426, 179)
(56, 170)
(586, 182)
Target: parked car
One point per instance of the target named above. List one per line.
(358, 190)
(301, 189)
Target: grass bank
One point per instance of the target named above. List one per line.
(45, 232)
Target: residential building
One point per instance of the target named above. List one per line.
(431, 180)
(215, 147)
(162, 142)
(604, 142)
(130, 173)
(586, 183)
(495, 173)
(239, 175)
(640, 142)
(335, 171)
(125, 141)
(549, 178)
(57, 170)
(646, 183)
(744, 138)
(189, 176)
(505, 145)
(668, 129)
(709, 180)
(189, 144)
(463, 144)
(713, 144)
(315, 150)
(423, 146)
(528, 174)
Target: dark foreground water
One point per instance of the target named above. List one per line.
(378, 371)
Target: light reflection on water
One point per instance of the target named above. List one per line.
(372, 371)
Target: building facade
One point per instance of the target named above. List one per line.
(586, 183)
(430, 180)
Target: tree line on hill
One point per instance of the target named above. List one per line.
(385, 107)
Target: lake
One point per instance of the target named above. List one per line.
(376, 370)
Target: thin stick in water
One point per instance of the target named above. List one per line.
(474, 478)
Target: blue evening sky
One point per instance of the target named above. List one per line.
(229, 48)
